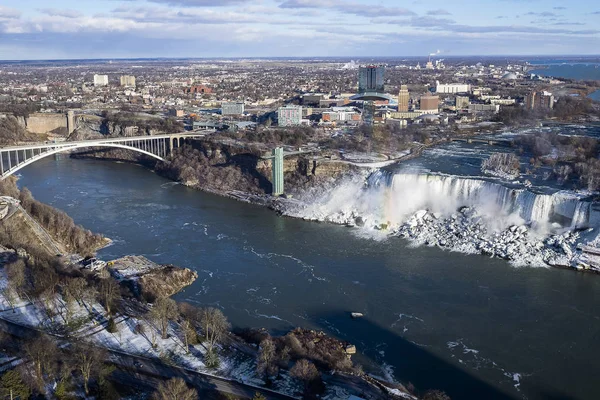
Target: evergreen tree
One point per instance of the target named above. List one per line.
(12, 386)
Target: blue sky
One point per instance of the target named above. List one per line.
(42, 29)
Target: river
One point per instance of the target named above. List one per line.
(475, 327)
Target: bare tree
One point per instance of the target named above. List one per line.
(174, 389)
(267, 358)
(42, 352)
(214, 326)
(76, 288)
(109, 292)
(305, 371)
(89, 361)
(163, 311)
(188, 332)
(189, 312)
(15, 272)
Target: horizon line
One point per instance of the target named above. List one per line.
(299, 58)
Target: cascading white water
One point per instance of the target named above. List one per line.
(428, 209)
(405, 193)
(581, 216)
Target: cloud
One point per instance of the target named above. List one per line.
(438, 12)
(201, 3)
(9, 13)
(348, 7)
(427, 22)
(53, 12)
(542, 14)
(568, 23)
(559, 8)
(448, 25)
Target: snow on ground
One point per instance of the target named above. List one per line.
(89, 321)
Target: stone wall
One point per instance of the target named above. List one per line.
(41, 123)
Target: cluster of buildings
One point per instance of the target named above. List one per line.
(124, 80)
(205, 94)
(440, 103)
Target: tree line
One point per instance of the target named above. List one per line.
(60, 226)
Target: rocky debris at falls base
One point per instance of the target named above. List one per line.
(466, 231)
(149, 280)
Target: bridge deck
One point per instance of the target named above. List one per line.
(90, 143)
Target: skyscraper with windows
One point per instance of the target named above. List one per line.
(403, 98)
(370, 78)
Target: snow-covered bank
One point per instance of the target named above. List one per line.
(469, 215)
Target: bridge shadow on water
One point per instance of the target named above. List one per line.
(416, 364)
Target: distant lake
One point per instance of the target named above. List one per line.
(583, 71)
(595, 95)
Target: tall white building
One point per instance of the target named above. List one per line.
(100, 80)
(128, 80)
(452, 87)
(289, 115)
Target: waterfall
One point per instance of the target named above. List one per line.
(404, 193)
(581, 216)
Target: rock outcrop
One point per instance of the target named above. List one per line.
(149, 280)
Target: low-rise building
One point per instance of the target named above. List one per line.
(452, 87)
(312, 99)
(404, 115)
(503, 102)
(100, 80)
(289, 115)
(128, 80)
(236, 108)
(479, 108)
(202, 89)
(174, 112)
(462, 102)
(341, 115)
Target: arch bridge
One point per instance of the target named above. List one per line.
(159, 147)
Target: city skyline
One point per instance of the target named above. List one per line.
(301, 28)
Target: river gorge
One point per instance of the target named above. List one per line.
(471, 325)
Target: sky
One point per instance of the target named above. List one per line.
(79, 29)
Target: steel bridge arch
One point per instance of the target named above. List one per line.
(73, 147)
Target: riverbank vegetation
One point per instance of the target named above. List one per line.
(574, 159)
(57, 223)
(567, 108)
(213, 168)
